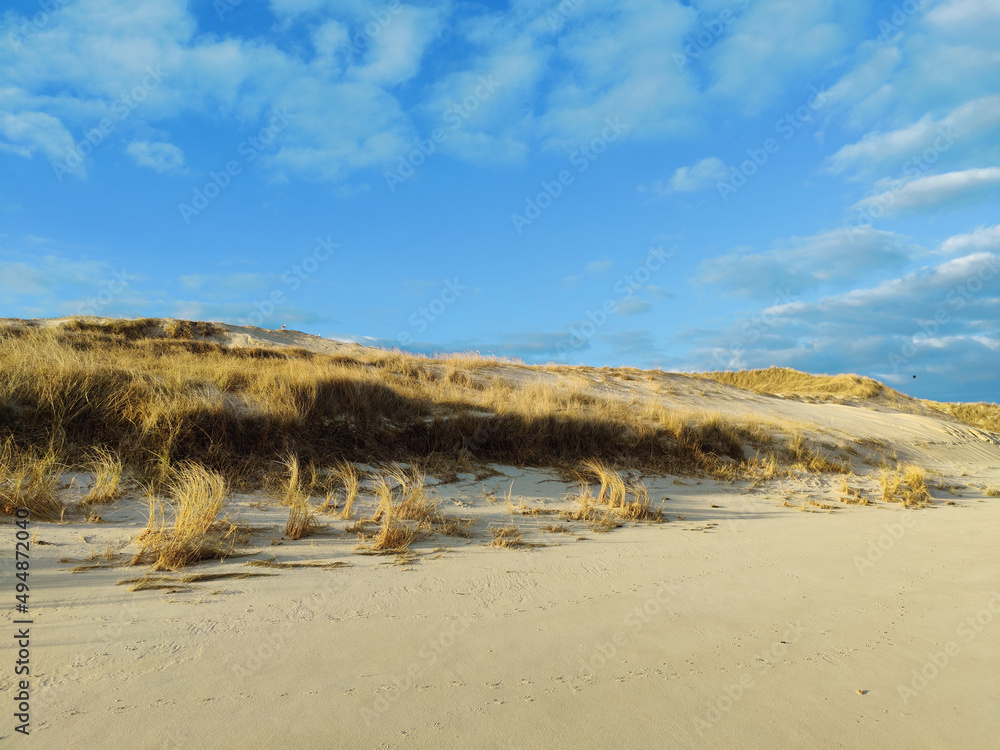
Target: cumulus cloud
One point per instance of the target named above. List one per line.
(937, 135)
(803, 263)
(24, 133)
(699, 176)
(940, 321)
(162, 157)
(934, 192)
(983, 238)
(597, 267)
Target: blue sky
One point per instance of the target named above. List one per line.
(684, 185)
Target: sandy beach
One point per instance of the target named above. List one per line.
(757, 614)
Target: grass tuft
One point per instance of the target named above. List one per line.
(906, 485)
(195, 532)
(28, 480)
(106, 469)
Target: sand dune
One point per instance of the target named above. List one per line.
(761, 614)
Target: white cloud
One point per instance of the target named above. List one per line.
(940, 321)
(933, 192)
(777, 44)
(160, 156)
(972, 119)
(700, 176)
(983, 238)
(801, 263)
(632, 306)
(26, 132)
(596, 267)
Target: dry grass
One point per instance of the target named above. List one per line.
(611, 506)
(28, 480)
(301, 521)
(985, 416)
(907, 485)
(351, 481)
(805, 459)
(195, 532)
(993, 492)
(392, 535)
(783, 381)
(106, 469)
(506, 537)
(157, 394)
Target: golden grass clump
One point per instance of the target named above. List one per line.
(993, 492)
(506, 537)
(106, 469)
(350, 479)
(784, 381)
(392, 536)
(805, 459)
(195, 532)
(301, 521)
(612, 504)
(985, 416)
(28, 480)
(906, 485)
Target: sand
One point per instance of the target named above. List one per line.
(742, 622)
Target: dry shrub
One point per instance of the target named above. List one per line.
(392, 535)
(190, 329)
(906, 485)
(805, 459)
(301, 521)
(195, 532)
(106, 469)
(506, 537)
(614, 493)
(28, 480)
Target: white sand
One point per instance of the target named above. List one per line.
(749, 624)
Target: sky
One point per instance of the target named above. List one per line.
(666, 184)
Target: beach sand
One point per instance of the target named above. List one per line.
(757, 616)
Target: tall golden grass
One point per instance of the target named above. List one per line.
(155, 401)
(189, 529)
(28, 480)
(906, 485)
(784, 381)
